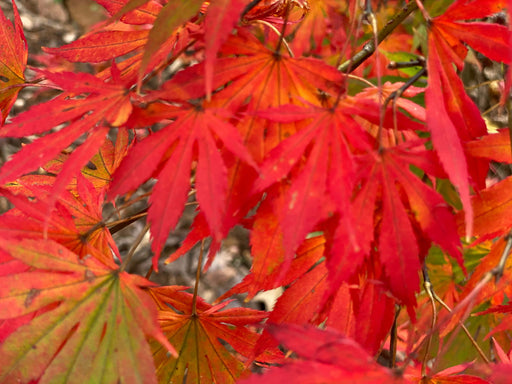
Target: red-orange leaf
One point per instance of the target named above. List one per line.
(320, 186)
(171, 16)
(169, 153)
(88, 104)
(196, 329)
(492, 209)
(405, 200)
(452, 116)
(75, 223)
(13, 61)
(221, 17)
(325, 357)
(495, 147)
(101, 46)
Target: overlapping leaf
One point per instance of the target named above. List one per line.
(197, 330)
(408, 206)
(95, 330)
(492, 209)
(168, 154)
(100, 169)
(495, 147)
(453, 118)
(221, 17)
(325, 357)
(321, 186)
(13, 61)
(76, 222)
(89, 106)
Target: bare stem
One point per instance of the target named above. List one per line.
(198, 275)
(116, 226)
(466, 331)
(134, 247)
(430, 292)
(368, 49)
(393, 339)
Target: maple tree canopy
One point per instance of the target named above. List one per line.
(346, 139)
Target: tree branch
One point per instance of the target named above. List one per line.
(368, 49)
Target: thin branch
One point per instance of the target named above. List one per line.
(393, 339)
(198, 275)
(134, 247)
(430, 292)
(395, 96)
(368, 49)
(496, 272)
(116, 226)
(509, 110)
(273, 28)
(283, 30)
(466, 331)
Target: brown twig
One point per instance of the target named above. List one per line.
(368, 49)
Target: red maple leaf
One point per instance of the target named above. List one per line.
(12, 61)
(406, 208)
(168, 154)
(88, 105)
(453, 118)
(325, 357)
(76, 222)
(197, 329)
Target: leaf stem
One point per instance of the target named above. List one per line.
(249, 7)
(430, 292)
(368, 49)
(134, 247)
(267, 24)
(198, 275)
(116, 226)
(509, 110)
(393, 339)
(466, 331)
(283, 30)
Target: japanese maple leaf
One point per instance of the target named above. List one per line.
(492, 209)
(12, 61)
(263, 276)
(254, 81)
(314, 26)
(452, 117)
(505, 323)
(76, 222)
(258, 78)
(221, 17)
(196, 329)
(96, 328)
(168, 155)
(171, 16)
(327, 141)
(331, 138)
(129, 36)
(89, 106)
(325, 356)
(405, 200)
(352, 309)
(101, 167)
(495, 146)
(499, 373)
(112, 40)
(450, 375)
